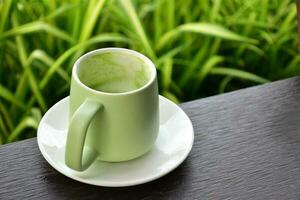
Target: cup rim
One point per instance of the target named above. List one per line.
(148, 62)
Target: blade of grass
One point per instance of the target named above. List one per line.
(61, 10)
(205, 69)
(197, 60)
(38, 26)
(281, 11)
(170, 11)
(78, 13)
(10, 97)
(176, 89)
(264, 9)
(215, 10)
(40, 55)
(205, 29)
(168, 55)
(267, 37)
(23, 58)
(167, 73)
(105, 37)
(170, 96)
(245, 22)
(136, 23)
(2, 141)
(63, 89)
(224, 83)
(21, 91)
(293, 66)
(27, 122)
(255, 49)
(91, 16)
(146, 9)
(36, 114)
(105, 19)
(215, 46)
(6, 116)
(208, 65)
(5, 8)
(157, 21)
(238, 74)
(3, 128)
(287, 23)
(52, 5)
(49, 38)
(246, 29)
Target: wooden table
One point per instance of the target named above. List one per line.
(247, 146)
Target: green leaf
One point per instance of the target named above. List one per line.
(3, 128)
(215, 10)
(6, 116)
(238, 74)
(4, 13)
(292, 67)
(21, 91)
(7, 95)
(157, 22)
(214, 30)
(137, 25)
(42, 56)
(105, 37)
(167, 73)
(31, 78)
(208, 65)
(170, 12)
(256, 24)
(196, 61)
(27, 122)
(205, 69)
(224, 83)
(38, 26)
(61, 10)
(89, 21)
(92, 13)
(170, 96)
(168, 55)
(36, 114)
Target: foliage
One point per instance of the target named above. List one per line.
(200, 48)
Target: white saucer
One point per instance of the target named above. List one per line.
(174, 142)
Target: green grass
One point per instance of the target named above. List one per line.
(200, 48)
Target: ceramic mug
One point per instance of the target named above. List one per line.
(119, 122)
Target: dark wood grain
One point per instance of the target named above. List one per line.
(247, 146)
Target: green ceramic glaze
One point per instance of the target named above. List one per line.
(110, 120)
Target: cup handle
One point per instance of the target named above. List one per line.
(78, 156)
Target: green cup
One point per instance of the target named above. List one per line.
(114, 111)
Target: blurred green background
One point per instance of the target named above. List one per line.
(200, 48)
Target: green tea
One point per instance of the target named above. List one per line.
(114, 72)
